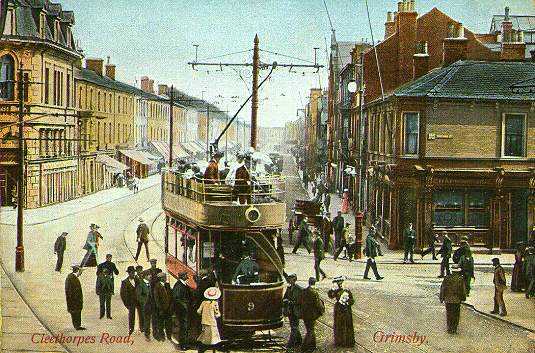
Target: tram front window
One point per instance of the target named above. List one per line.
(240, 258)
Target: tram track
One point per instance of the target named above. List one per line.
(369, 323)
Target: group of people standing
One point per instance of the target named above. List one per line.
(148, 295)
(523, 278)
(306, 304)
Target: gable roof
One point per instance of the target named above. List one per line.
(486, 80)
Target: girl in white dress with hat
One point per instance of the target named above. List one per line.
(209, 311)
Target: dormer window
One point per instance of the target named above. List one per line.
(11, 25)
(42, 25)
(57, 29)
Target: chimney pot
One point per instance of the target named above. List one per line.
(507, 13)
(389, 17)
(400, 6)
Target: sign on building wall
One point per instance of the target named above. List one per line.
(3, 14)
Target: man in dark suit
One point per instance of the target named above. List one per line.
(128, 296)
(74, 297)
(319, 255)
(409, 239)
(452, 292)
(303, 236)
(314, 309)
(105, 291)
(162, 299)
(445, 252)
(145, 301)
(500, 284)
(327, 230)
(110, 266)
(59, 248)
(338, 227)
(292, 308)
(242, 183)
(183, 300)
(371, 252)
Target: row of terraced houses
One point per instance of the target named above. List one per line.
(82, 126)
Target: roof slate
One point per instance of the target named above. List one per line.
(486, 80)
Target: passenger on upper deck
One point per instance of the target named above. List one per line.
(211, 174)
(247, 271)
(242, 185)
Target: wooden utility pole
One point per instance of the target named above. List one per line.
(256, 65)
(171, 103)
(254, 101)
(19, 250)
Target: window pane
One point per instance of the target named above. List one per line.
(7, 74)
(411, 133)
(514, 135)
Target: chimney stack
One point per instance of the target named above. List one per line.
(406, 24)
(455, 47)
(147, 85)
(507, 27)
(163, 90)
(390, 25)
(515, 48)
(110, 70)
(420, 60)
(95, 65)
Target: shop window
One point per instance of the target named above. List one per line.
(514, 126)
(411, 127)
(7, 78)
(457, 208)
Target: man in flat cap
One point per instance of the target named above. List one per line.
(74, 296)
(59, 248)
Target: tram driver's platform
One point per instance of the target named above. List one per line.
(255, 203)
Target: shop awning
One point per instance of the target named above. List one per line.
(163, 149)
(193, 148)
(138, 156)
(112, 165)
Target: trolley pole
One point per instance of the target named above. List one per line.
(171, 103)
(254, 102)
(207, 131)
(19, 250)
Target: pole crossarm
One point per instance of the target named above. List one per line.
(264, 65)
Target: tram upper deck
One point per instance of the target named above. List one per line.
(225, 204)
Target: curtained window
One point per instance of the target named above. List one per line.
(514, 135)
(411, 128)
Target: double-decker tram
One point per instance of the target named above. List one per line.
(228, 232)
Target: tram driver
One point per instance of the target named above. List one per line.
(247, 271)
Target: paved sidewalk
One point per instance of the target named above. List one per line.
(20, 327)
(481, 297)
(8, 215)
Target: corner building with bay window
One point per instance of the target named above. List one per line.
(462, 142)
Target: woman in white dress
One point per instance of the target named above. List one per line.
(209, 311)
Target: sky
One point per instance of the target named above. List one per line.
(156, 38)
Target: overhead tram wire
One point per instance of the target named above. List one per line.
(225, 55)
(375, 50)
(286, 56)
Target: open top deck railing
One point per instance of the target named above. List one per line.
(257, 190)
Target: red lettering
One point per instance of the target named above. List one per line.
(36, 334)
(105, 337)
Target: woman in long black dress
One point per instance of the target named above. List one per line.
(344, 334)
(517, 279)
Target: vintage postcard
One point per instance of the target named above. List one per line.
(267, 176)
